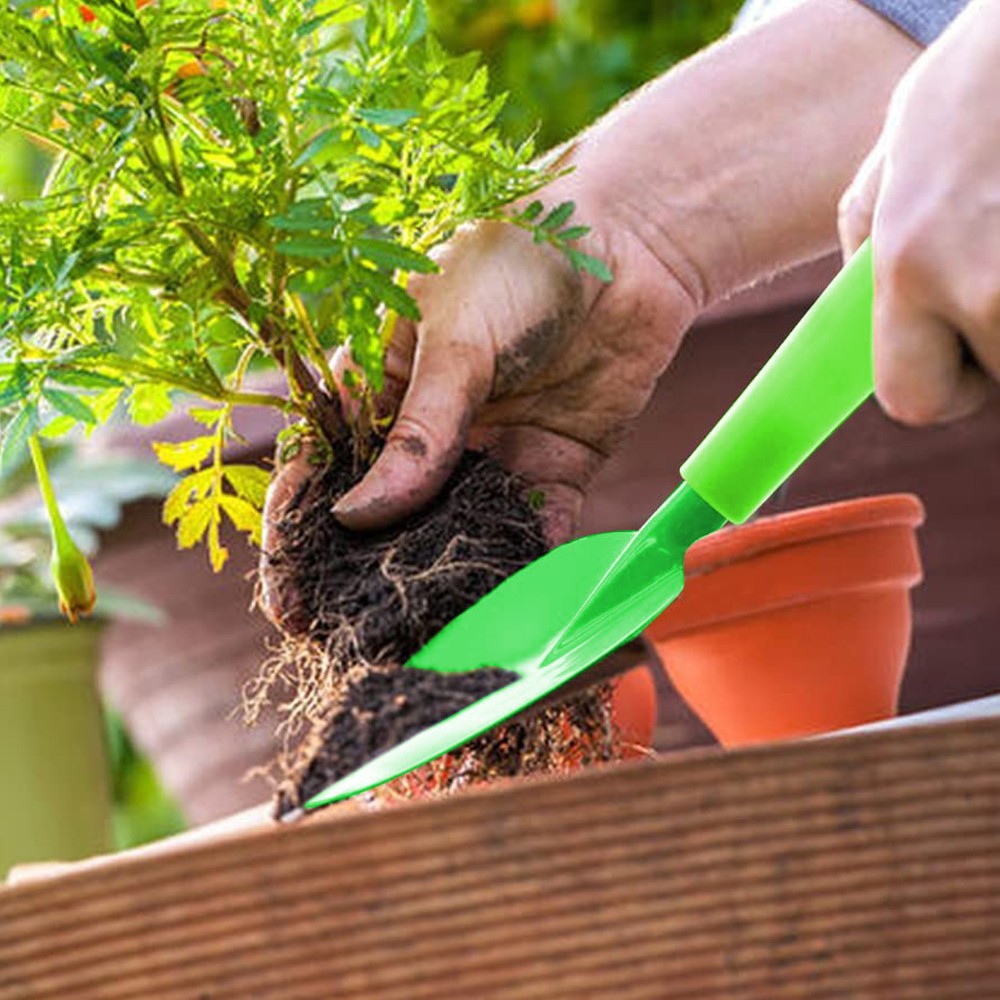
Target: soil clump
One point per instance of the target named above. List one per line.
(368, 601)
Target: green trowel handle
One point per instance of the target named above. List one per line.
(812, 383)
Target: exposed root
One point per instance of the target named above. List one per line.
(380, 596)
(313, 680)
(372, 600)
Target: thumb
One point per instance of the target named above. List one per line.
(450, 379)
(857, 206)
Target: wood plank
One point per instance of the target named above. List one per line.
(861, 867)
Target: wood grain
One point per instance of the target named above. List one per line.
(861, 867)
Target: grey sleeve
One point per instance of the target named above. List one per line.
(922, 20)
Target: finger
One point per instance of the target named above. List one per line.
(556, 471)
(857, 206)
(450, 379)
(279, 598)
(921, 373)
(977, 312)
(294, 463)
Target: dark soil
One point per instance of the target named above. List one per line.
(382, 707)
(379, 597)
(371, 600)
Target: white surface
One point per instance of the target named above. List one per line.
(981, 708)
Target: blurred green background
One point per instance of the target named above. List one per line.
(563, 63)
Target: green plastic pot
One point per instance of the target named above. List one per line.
(55, 799)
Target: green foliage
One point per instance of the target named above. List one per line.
(21, 162)
(232, 182)
(567, 61)
(552, 228)
(143, 811)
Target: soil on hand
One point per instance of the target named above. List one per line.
(369, 601)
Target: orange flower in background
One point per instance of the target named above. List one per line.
(536, 13)
(139, 4)
(190, 69)
(489, 28)
(87, 14)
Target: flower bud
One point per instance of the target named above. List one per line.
(73, 578)
(71, 571)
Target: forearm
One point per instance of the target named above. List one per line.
(736, 159)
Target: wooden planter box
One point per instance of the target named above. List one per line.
(865, 866)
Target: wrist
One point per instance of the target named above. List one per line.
(635, 210)
(652, 285)
(729, 168)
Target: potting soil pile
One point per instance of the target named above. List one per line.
(364, 603)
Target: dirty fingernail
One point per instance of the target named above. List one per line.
(352, 504)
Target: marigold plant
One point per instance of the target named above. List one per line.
(234, 185)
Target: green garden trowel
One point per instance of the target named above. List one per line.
(553, 619)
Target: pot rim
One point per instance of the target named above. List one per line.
(796, 527)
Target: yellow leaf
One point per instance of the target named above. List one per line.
(194, 522)
(248, 482)
(207, 416)
(245, 516)
(193, 487)
(184, 454)
(217, 552)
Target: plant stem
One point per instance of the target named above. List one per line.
(240, 397)
(126, 276)
(240, 372)
(45, 485)
(317, 353)
(257, 399)
(171, 152)
(323, 411)
(204, 243)
(150, 373)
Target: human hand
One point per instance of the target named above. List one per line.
(518, 354)
(515, 353)
(929, 195)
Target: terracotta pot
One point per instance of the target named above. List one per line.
(798, 623)
(633, 709)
